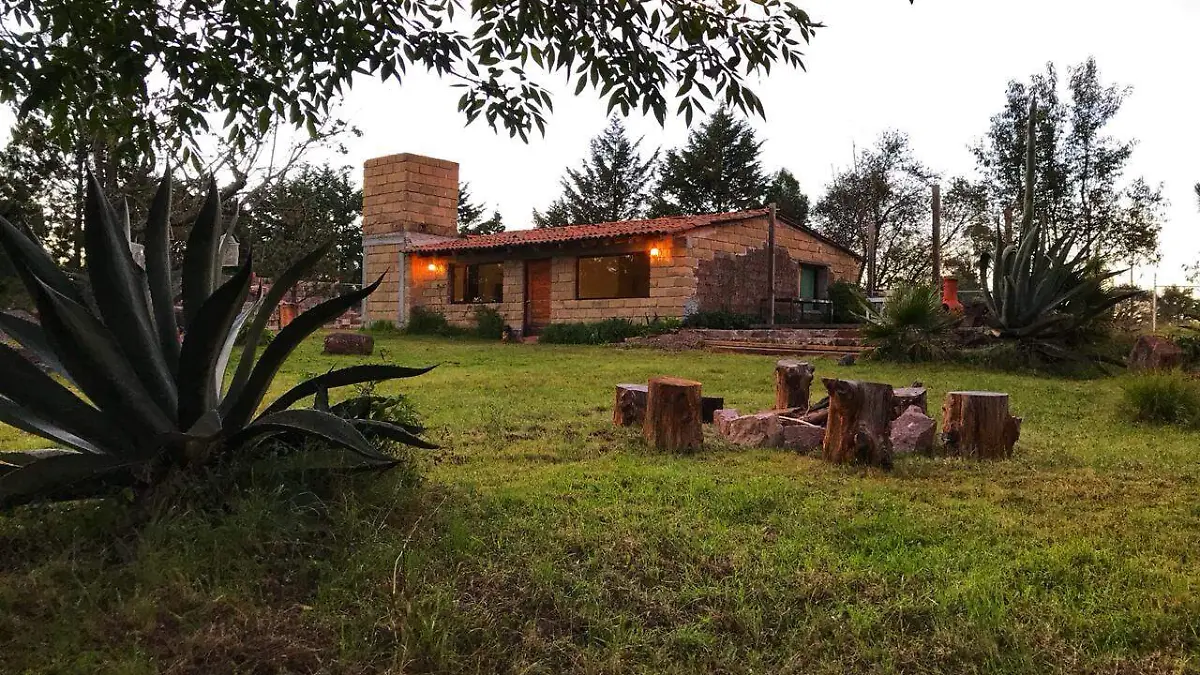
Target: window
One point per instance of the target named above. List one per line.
(477, 283)
(613, 276)
(808, 281)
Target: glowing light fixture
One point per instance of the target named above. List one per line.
(432, 267)
(654, 252)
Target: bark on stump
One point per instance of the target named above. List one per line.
(977, 424)
(674, 415)
(629, 408)
(793, 379)
(859, 426)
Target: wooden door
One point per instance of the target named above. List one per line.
(537, 295)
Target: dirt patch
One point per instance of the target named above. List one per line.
(673, 342)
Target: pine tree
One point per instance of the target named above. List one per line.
(790, 202)
(470, 215)
(612, 185)
(717, 170)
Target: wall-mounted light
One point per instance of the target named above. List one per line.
(432, 267)
(655, 252)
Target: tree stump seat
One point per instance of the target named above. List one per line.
(858, 430)
(977, 424)
(674, 414)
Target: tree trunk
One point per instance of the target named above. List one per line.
(793, 379)
(630, 405)
(909, 396)
(977, 424)
(859, 426)
(674, 414)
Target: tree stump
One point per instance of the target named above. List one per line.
(629, 408)
(792, 382)
(977, 424)
(859, 426)
(674, 416)
(904, 398)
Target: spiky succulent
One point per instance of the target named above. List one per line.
(133, 402)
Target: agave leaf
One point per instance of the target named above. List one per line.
(392, 432)
(246, 401)
(202, 345)
(121, 295)
(98, 365)
(31, 337)
(32, 262)
(230, 343)
(1080, 288)
(64, 476)
(325, 426)
(321, 400)
(281, 286)
(158, 272)
(199, 267)
(19, 458)
(341, 378)
(28, 387)
(44, 427)
(356, 407)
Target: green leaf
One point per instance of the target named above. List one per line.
(315, 423)
(66, 476)
(30, 336)
(121, 295)
(32, 262)
(248, 399)
(341, 378)
(202, 345)
(158, 272)
(200, 257)
(393, 432)
(43, 427)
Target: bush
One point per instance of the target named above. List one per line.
(489, 325)
(605, 332)
(1190, 344)
(848, 300)
(381, 327)
(912, 327)
(422, 321)
(1164, 398)
(720, 319)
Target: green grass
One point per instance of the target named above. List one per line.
(544, 540)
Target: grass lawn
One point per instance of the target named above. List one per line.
(543, 540)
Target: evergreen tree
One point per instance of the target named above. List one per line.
(717, 170)
(790, 202)
(470, 215)
(612, 185)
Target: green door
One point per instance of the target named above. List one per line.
(808, 282)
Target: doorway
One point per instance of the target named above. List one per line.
(537, 295)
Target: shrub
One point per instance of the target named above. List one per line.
(382, 327)
(1163, 398)
(1190, 344)
(489, 325)
(848, 300)
(605, 332)
(424, 321)
(912, 327)
(167, 415)
(720, 319)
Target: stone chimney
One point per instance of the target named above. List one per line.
(407, 199)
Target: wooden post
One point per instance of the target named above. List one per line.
(629, 408)
(859, 426)
(793, 379)
(771, 263)
(674, 414)
(977, 424)
(937, 236)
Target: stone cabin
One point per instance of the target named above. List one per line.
(639, 269)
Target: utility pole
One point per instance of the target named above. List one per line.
(771, 263)
(937, 236)
(1154, 305)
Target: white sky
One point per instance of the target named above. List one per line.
(936, 70)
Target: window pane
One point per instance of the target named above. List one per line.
(477, 283)
(614, 276)
(458, 279)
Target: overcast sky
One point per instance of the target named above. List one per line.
(936, 70)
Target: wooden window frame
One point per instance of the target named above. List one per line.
(649, 274)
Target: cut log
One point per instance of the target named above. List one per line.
(977, 424)
(793, 379)
(710, 405)
(674, 415)
(817, 417)
(630, 405)
(859, 426)
(904, 398)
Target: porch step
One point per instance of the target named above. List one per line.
(788, 349)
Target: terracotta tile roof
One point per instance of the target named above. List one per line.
(667, 225)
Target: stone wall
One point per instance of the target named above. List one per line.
(402, 195)
(431, 289)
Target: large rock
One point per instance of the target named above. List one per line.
(913, 431)
(358, 344)
(803, 437)
(1154, 352)
(761, 430)
(723, 417)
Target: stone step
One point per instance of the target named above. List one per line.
(784, 349)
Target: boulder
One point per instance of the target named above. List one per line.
(803, 437)
(913, 431)
(723, 417)
(359, 344)
(847, 360)
(761, 430)
(1154, 352)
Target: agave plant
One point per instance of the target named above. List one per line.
(912, 326)
(1039, 291)
(129, 402)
